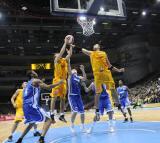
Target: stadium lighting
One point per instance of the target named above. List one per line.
(24, 8)
(144, 13)
(101, 8)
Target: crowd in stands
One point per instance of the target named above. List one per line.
(143, 93)
(148, 92)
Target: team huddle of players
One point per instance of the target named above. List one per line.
(66, 80)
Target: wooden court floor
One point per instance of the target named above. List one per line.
(152, 114)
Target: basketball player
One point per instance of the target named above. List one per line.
(74, 95)
(122, 91)
(60, 73)
(104, 103)
(32, 111)
(102, 73)
(17, 102)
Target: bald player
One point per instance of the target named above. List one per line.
(102, 68)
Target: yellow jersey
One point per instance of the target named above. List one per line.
(19, 98)
(61, 69)
(98, 61)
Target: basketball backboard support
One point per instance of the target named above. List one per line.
(98, 8)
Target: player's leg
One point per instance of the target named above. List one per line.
(101, 111)
(108, 105)
(73, 117)
(18, 118)
(73, 105)
(130, 113)
(98, 84)
(54, 94)
(46, 126)
(52, 106)
(123, 110)
(111, 121)
(27, 129)
(14, 127)
(81, 111)
(82, 115)
(36, 133)
(62, 107)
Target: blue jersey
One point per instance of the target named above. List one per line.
(103, 93)
(74, 85)
(31, 94)
(122, 91)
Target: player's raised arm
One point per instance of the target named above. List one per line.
(69, 52)
(87, 89)
(84, 76)
(45, 86)
(112, 67)
(13, 98)
(86, 52)
(60, 54)
(69, 68)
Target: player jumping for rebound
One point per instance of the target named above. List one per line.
(74, 95)
(33, 113)
(124, 100)
(102, 74)
(17, 102)
(60, 73)
(104, 103)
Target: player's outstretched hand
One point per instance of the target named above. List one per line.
(66, 40)
(122, 70)
(72, 45)
(81, 67)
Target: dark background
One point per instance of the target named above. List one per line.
(34, 35)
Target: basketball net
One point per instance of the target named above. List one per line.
(87, 25)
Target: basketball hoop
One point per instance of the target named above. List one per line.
(87, 24)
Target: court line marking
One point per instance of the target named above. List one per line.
(65, 137)
(105, 131)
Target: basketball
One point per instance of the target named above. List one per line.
(70, 39)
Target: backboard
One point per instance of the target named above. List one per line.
(98, 8)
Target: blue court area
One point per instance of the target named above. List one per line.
(137, 132)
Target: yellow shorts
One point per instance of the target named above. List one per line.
(103, 78)
(59, 91)
(19, 115)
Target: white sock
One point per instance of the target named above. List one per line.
(82, 126)
(111, 123)
(35, 130)
(72, 125)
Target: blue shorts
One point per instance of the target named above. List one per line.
(125, 103)
(76, 103)
(34, 114)
(105, 103)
